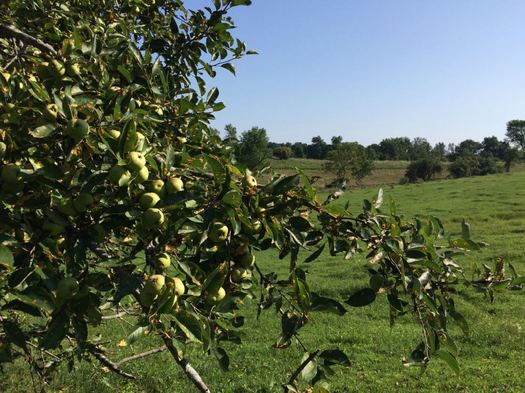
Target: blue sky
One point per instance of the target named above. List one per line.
(446, 70)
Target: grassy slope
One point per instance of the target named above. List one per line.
(491, 357)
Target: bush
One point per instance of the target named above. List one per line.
(423, 169)
(282, 152)
(473, 165)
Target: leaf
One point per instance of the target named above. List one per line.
(333, 357)
(465, 230)
(230, 67)
(56, 331)
(232, 198)
(24, 307)
(379, 200)
(15, 334)
(6, 256)
(310, 370)
(223, 359)
(461, 321)
(361, 298)
(325, 304)
(300, 224)
(313, 256)
(139, 332)
(43, 131)
(449, 359)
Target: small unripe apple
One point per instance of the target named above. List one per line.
(114, 134)
(77, 129)
(152, 217)
(180, 289)
(119, 176)
(136, 160)
(142, 175)
(51, 112)
(157, 186)
(218, 232)
(163, 261)
(214, 298)
(174, 184)
(152, 288)
(247, 260)
(67, 288)
(65, 206)
(239, 274)
(83, 202)
(11, 174)
(250, 181)
(148, 200)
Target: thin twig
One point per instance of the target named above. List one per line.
(296, 373)
(13, 32)
(111, 365)
(142, 355)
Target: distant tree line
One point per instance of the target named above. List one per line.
(468, 158)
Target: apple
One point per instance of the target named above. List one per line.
(3, 148)
(180, 289)
(142, 175)
(250, 181)
(216, 297)
(54, 228)
(67, 288)
(77, 129)
(174, 185)
(157, 186)
(114, 134)
(218, 232)
(163, 261)
(136, 161)
(119, 176)
(247, 260)
(256, 226)
(239, 274)
(11, 174)
(152, 288)
(58, 67)
(66, 207)
(148, 200)
(83, 202)
(152, 217)
(51, 112)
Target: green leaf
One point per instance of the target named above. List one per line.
(449, 359)
(230, 67)
(43, 131)
(139, 332)
(325, 304)
(56, 331)
(361, 298)
(232, 198)
(6, 256)
(310, 370)
(465, 230)
(313, 256)
(332, 357)
(222, 358)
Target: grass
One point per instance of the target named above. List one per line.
(492, 356)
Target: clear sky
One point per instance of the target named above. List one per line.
(446, 70)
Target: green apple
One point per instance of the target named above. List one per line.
(216, 297)
(136, 161)
(11, 174)
(174, 185)
(83, 202)
(67, 288)
(77, 129)
(66, 207)
(54, 228)
(163, 261)
(247, 260)
(180, 289)
(142, 175)
(119, 176)
(114, 134)
(157, 186)
(152, 217)
(51, 112)
(3, 148)
(239, 274)
(148, 200)
(152, 288)
(250, 181)
(218, 232)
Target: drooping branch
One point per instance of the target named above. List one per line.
(109, 364)
(301, 367)
(142, 355)
(190, 372)
(13, 32)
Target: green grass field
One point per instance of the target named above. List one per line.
(491, 357)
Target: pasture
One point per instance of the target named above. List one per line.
(491, 357)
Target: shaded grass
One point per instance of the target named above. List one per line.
(492, 356)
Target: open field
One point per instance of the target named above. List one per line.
(491, 357)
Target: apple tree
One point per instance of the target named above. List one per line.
(117, 196)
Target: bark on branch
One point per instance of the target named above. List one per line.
(141, 355)
(13, 32)
(111, 365)
(190, 372)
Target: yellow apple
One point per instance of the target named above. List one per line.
(148, 200)
(152, 217)
(174, 185)
(136, 160)
(119, 176)
(218, 232)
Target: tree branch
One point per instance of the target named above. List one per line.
(190, 372)
(142, 355)
(13, 32)
(109, 364)
(301, 367)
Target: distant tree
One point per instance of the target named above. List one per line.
(373, 151)
(336, 141)
(509, 155)
(419, 149)
(467, 147)
(349, 159)
(424, 169)
(491, 147)
(230, 133)
(516, 132)
(473, 165)
(317, 149)
(299, 149)
(395, 149)
(282, 152)
(252, 149)
(439, 152)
